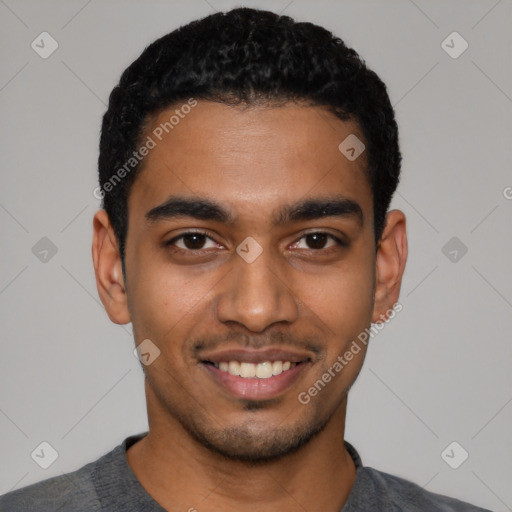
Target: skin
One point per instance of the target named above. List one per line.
(295, 294)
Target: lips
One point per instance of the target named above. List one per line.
(263, 370)
(256, 356)
(255, 374)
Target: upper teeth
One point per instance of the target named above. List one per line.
(263, 370)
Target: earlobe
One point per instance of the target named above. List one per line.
(390, 265)
(108, 269)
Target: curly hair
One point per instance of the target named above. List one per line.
(247, 57)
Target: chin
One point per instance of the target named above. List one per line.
(254, 444)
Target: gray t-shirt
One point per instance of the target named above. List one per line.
(109, 484)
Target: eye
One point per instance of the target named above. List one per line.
(192, 241)
(319, 240)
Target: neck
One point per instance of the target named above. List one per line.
(181, 474)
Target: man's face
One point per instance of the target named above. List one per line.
(299, 304)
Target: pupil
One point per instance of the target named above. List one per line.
(316, 240)
(193, 241)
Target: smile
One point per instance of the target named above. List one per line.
(251, 374)
(264, 370)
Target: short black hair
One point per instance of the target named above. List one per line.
(246, 57)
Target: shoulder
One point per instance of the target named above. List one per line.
(400, 494)
(71, 491)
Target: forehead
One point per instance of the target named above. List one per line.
(248, 157)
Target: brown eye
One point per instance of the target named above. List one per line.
(318, 241)
(192, 241)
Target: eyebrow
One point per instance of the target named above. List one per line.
(206, 209)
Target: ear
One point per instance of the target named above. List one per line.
(108, 269)
(390, 264)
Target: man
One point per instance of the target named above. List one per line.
(247, 164)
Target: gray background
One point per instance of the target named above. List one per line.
(439, 372)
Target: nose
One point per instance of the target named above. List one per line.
(257, 294)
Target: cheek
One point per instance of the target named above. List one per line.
(343, 299)
(161, 299)
(344, 305)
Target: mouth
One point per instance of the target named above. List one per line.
(256, 374)
(264, 370)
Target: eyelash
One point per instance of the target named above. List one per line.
(339, 242)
